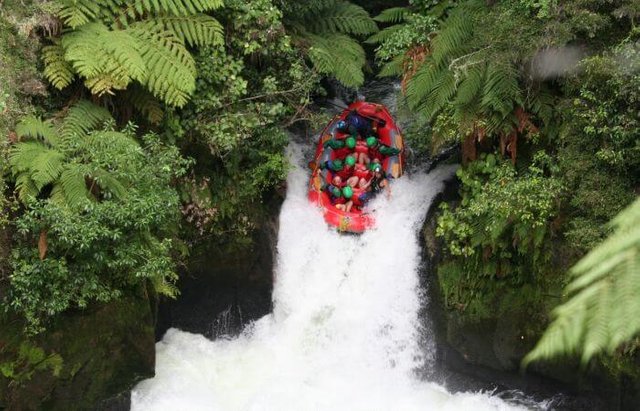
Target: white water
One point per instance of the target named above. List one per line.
(344, 334)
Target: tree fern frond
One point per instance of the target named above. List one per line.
(470, 86)
(456, 31)
(384, 34)
(26, 188)
(603, 309)
(83, 117)
(195, 30)
(339, 56)
(56, 68)
(501, 91)
(172, 71)
(175, 7)
(46, 167)
(107, 59)
(393, 68)
(73, 186)
(344, 17)
(36, 128)
(107, 182)
(392, 15)
(75, 13)
(419, 86)
(145, 103)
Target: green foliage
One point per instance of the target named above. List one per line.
(101, 208)
(50, 158)
(500, 230)
(111, 44)
(247, 91)
(395, 41)
(599, 144)
(602, 310)
(324, 29)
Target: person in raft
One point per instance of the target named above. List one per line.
(347, 170)
(355, 124)
(335, 165)
(347, 195)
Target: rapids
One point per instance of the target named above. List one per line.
(344, 333)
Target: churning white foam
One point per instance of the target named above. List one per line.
(344, 333)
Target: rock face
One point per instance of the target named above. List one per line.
(224, 290)
(105, 350)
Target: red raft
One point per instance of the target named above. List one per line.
(388, 133)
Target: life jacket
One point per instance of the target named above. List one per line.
(345, 173)
(361, 171)
(342, 152)
(360, 123)
(358, 196)
(361, 147)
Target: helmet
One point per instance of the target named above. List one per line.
(336, 191)
(341, 124)
(337, 164)
(377, 168)
(351, 142)
(350, 160)
(371, 141)
(347, 192)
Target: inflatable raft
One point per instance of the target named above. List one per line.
(388, 134)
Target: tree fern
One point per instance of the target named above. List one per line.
(113, 44)
(83, 117)
(196, 30)
(324, 29)
(72, 158)
(338, 55)
(603, 310)
(392, 15)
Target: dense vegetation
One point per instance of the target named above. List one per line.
(133, 131)
(543, 98)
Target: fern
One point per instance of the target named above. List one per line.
(57, 69)
(59, 157)
(340, 56)
(172, 74)
(392, 15)
(35, 128)
(113, 44)
(384, 34)
(393, 68)
(462, 74)
(324, 28)
(196, 30)
(603, 310)
(83, 117)
(345, 18)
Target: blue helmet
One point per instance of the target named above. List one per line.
(341, 125)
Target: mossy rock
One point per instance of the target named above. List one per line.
(105, 351)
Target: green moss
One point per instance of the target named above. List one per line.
(100, 352)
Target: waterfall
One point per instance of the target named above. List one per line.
(344, 334)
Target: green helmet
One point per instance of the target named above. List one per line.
(376, 168)
(347, 192)
(350, 160)
(336, 191)
(351, 142)
(337, 164)
(371, 141)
